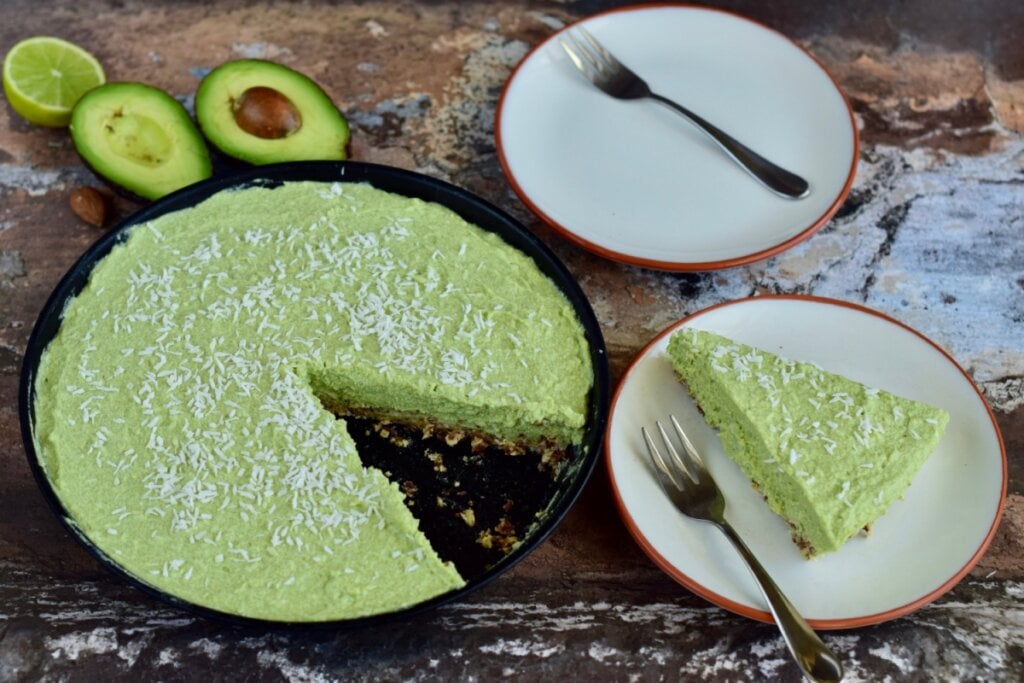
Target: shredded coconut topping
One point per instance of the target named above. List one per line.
(212, 371)
(811, 425)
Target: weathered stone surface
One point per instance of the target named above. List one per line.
(931, 234)
(95, 629)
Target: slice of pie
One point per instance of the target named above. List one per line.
(829, 454)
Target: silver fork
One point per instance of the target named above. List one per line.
(617, 80)
(692, 490)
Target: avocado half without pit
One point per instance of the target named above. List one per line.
(139, 138)
(262, 112)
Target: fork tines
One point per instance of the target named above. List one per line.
(587, 54)
(687, 464)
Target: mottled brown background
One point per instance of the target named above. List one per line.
(931, 234)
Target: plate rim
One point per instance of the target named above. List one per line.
(678, 266)
(761, 615)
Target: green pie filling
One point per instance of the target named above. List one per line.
(829, 454)
(180, 409)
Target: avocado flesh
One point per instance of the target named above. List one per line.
(322, 134)
(139, 139)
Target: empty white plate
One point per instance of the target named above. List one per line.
(635, 182)
(917, 551)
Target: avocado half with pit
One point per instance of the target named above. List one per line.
(262, 112)
(139, 139)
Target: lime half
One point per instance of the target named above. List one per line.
(45, 76)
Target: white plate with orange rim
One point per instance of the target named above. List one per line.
(635, 182)
(918, 550)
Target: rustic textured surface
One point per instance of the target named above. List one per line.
(931, 234)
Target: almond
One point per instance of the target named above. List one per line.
(90, 205)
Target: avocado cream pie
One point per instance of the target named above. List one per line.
(829, 454)
(180, 408)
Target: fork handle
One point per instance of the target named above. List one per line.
(772, 176)
(811, 654)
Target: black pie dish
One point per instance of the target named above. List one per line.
(560, 496)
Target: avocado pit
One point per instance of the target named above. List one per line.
(266, 113)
